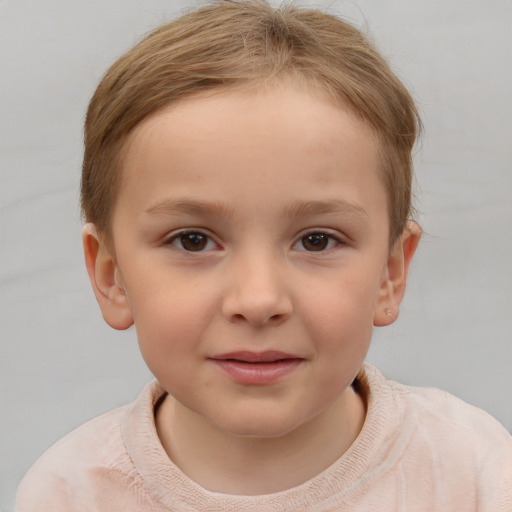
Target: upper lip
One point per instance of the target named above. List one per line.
(248, 356)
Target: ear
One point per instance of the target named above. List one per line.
(395, 275)
(106, 280)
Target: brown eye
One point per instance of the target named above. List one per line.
(192, 242)
(315, 241)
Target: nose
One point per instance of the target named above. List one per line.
(257, 293)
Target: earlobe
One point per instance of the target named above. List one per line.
(106, 280)
(395, 275)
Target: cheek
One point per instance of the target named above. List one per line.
(345, 301)
(170, 319)
(340, 316)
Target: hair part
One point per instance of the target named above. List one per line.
(247, 43)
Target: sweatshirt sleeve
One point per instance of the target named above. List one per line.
(88, 470)
(43, 491)
(495, 490)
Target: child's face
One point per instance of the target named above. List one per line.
(251, 244)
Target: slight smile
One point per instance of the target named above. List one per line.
(257, 368)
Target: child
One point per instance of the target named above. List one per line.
(246, 186)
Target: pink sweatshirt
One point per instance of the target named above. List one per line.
(419, 450)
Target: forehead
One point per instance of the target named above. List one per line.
(293, 101)
(281, 143)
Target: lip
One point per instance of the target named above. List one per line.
(257, 368)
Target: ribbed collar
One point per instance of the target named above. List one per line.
(376, 449)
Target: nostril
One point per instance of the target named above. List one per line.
(240, 317)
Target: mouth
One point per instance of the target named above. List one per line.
(257, 368)
(246, 356)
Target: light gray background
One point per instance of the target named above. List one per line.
(60, 364)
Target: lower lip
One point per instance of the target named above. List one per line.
(257, 373)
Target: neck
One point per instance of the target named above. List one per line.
(226, 463)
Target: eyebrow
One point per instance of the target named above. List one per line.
(191, 207)
(294, 209)
(333, 206)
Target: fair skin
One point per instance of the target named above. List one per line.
(250, 250)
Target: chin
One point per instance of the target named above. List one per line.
(259, 428)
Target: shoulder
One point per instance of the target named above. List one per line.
(459, 448)
(80, 465)
(468, 442)
(439, 410)
(93, 447)
(96, 440)
(443, 413)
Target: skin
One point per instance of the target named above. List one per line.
(252, 175)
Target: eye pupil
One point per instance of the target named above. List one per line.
(315, 242)
(193, 241)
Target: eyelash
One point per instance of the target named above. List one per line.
(323, 236)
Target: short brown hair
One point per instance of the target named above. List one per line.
(236, 42)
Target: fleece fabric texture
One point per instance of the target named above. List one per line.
(419, 450)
